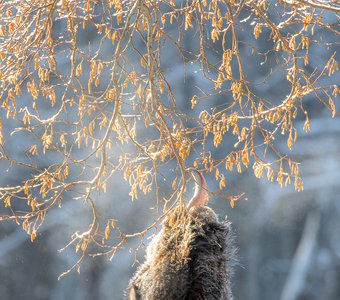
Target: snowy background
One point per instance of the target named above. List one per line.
(289, 242)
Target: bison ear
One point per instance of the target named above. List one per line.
(133, 293)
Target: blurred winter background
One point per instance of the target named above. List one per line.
(289, 242)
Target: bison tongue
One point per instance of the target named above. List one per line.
(200, 197)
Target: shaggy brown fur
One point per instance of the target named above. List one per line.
(190, 258)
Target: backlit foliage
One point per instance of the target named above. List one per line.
(115, 100)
